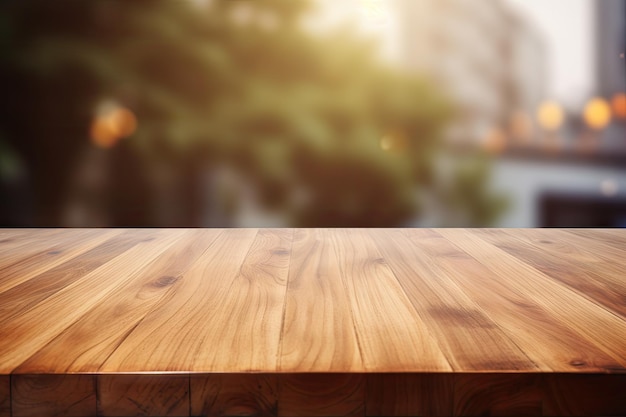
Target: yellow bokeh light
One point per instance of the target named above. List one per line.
(109, 127)
(597, 113)
(619, 105)
(396, 141)
(550, 115)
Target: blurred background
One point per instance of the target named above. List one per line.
(321, 113)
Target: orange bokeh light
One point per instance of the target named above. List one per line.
(495, 142)
(550, 115)
(521, 126)
(597, 113)
(395, 140)
(109, 127)
(619, 105)
(124, 121)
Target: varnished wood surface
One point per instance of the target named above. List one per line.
(222, 309)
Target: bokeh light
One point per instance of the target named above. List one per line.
(521, 126)
(124, 122)
(111, 125)
(597, 113)
(550, 115)
(395, 141)
(495, 141)
(618, 105)
(609, 187)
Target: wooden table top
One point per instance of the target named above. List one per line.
(312, 300)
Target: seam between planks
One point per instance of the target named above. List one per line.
(556, 280)
(352, 318)
(556, 317)
(433, 338)
(156, 304)
(503, 331)
(279, 353)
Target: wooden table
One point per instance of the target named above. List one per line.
(312, 322)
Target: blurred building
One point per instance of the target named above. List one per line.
(580, 182)
(610, 46)
(489, 59)
(493, 62)
(611, 67)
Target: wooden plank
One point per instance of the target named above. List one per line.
(24, 335)
(53, 395)
(426, 394)
(599, 282)
(255, 300)
(26, 295)
(549, 344)
(143, 395)
(584, 395)
(5, 396)
(607, 245)
(613, 237)
(19, 244)
(318, 334)
(498, 395)
(598, 326)
(464, 332)
(16, 241)
(322, 395)
(50, 252)
(87, 343)
(176, 334)
(234, 395)
(392, 336)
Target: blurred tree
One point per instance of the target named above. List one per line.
(325, 133)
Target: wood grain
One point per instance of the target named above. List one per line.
(571, 264)
(179, 332)
(26, 295)
(45, 254)
(254, 300)
(117, 314)
(317, 313)
(409, 394)
(312, 322)
(5, 396)
(53, 395)
(234, 395)
(577, 395)
(444, 306)
(322, 395)
(392, 335)
(549, 344)
(143, 395)
(497, 395)
(24, 335)
(590, 321)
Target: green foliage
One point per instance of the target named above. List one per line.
(241, 83)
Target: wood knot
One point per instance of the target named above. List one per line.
(164, 281)
(577, 363)
(54, 252)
